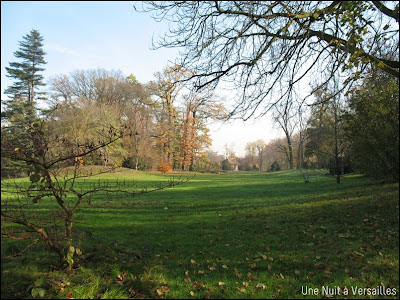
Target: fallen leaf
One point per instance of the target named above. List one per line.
(164, 288)
(261, 285)
(221, 283)
(132, 291)
(192, 293)
(193, 261)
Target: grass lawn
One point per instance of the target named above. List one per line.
(234, 235)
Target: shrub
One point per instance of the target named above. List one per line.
(165, 167)
(275, 166)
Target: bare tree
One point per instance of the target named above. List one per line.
(264, 49)
(285, 115)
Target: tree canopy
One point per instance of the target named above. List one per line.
(268, 49)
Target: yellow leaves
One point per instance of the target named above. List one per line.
(262, 286)
(221, 283)
(225, 267)
(16, 149)
(212, 267)
(193, 261)
(192, 293)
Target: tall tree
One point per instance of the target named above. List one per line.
(265, 48)
(26, 73)
(20, 109)
(373, 127)
(285, 115)
(167, 88)
(195, 136)
(325, 133)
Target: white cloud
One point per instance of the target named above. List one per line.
(63, 50)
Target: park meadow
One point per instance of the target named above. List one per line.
(227, 235)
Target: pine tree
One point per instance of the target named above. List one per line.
(26, 73)
(23, 93)
(20, 116)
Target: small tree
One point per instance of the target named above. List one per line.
(226, 165)
(55, 165)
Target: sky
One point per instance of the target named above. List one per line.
(109, 35)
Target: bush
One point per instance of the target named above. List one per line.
(226, 165)
(275, 166)
(165, 167)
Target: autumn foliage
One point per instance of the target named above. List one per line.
(165, 167)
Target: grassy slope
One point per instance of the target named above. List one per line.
(237, 235)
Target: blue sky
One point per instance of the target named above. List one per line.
(109, 35)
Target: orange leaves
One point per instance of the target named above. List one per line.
(122, 276)
(165, 167)
(198, 285)
(162, 290)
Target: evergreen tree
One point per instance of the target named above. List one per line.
(26, 73)
(19, 115)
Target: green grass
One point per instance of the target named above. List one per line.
(235, 235)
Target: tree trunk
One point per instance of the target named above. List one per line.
(290, 149)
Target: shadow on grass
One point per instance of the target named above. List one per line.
(240, 240)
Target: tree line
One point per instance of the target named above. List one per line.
(165, 122)
(356, 133)
(345, 52)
